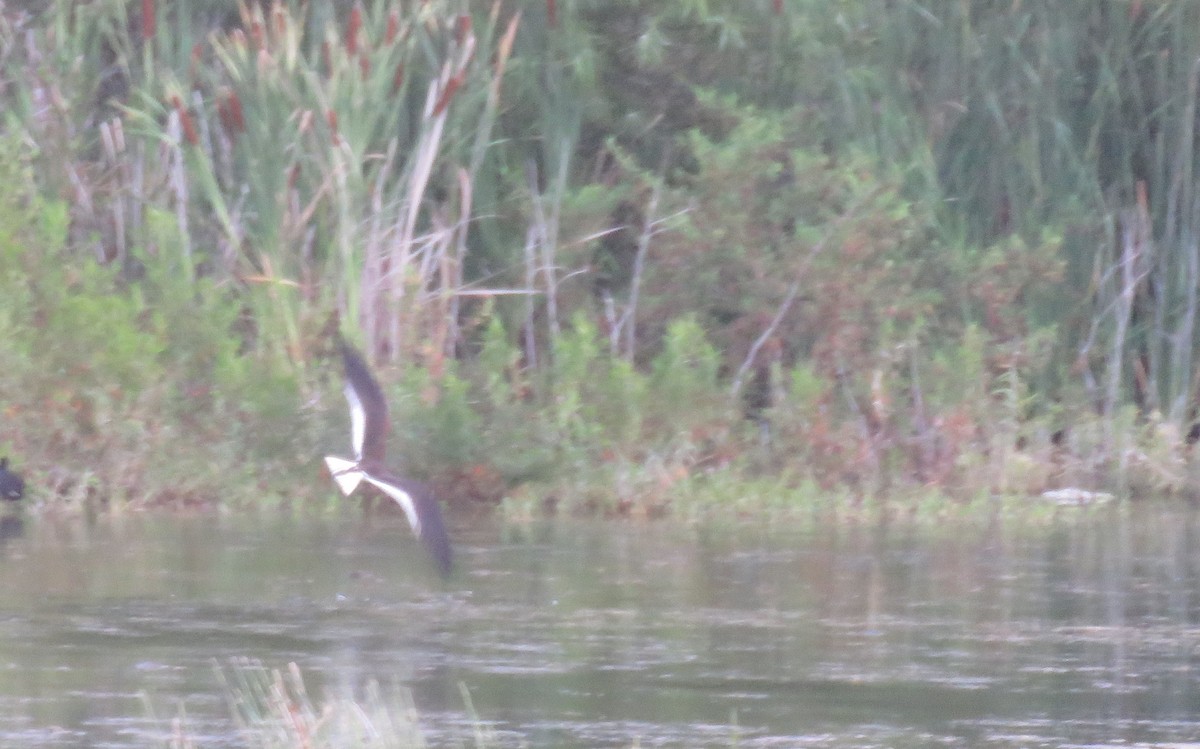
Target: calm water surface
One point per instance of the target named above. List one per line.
(1083, 630)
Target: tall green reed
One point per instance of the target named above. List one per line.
(336, 165)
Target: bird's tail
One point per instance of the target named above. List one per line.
(423, 514)
(433, 531)
(345, 472)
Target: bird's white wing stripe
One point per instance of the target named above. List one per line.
(345, 472)
(402, 498)
(358, 421)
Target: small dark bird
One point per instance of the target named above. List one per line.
(12, 486)
(369, 426)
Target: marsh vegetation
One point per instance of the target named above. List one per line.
(615, 257)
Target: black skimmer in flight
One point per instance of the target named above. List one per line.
(369, 425)
(12, 486)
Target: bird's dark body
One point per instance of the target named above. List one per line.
(12, 486)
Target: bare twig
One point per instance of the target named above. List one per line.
(864, 427)
(531, 358)
(629, 319)
(542, 241)
(736, 387)
(1136, 245)
(786, 304)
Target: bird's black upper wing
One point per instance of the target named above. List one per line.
(368, 408)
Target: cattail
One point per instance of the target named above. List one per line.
(393, 26)
(451, 88)
(352, 29)
(185, 120)
(235, 107)
(332, 118)
(364, 65)
(462, 27)
(398, 78)
(551, 13)
(777, 6)
(257, 37)
(229, 109)
(148, 21)
(194, 61)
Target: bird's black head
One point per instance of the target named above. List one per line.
(12, 486)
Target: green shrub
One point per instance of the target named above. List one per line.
(129, 389)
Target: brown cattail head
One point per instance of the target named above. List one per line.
(353, 26)
(194, 60)
(393, 26)
(229, 110)
(257, 36)
(149, 21)
(398, 78)
(332, 118)
(448, 93)
(462, 27)
(185, 121)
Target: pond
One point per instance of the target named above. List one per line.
(1080, 629)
